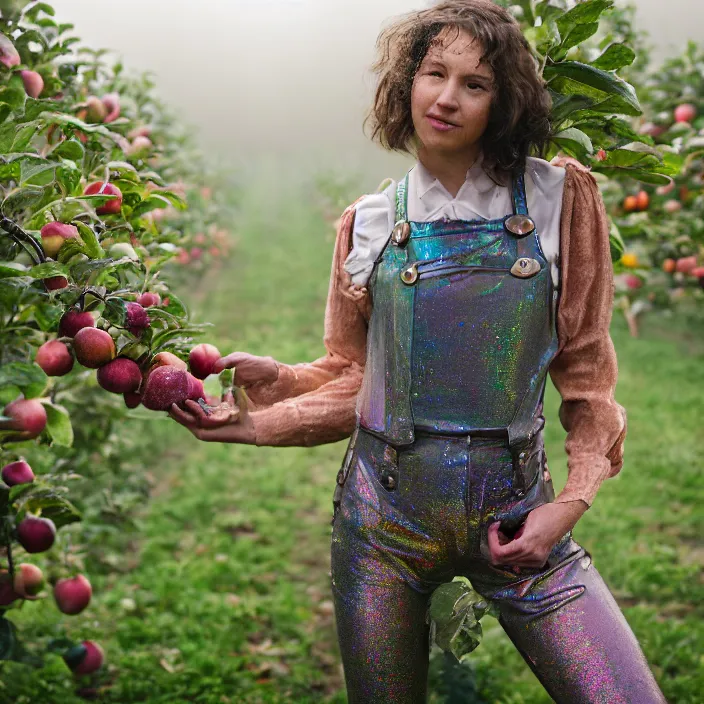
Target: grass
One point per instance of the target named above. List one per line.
(226, 596)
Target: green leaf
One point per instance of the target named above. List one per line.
(115, 311)
(546, 11)
(575, 142)
(575, 78)
(175, 306)
(454, 611)
(12, 269)
(24, 135)
(59, 425)
(43, 271)
(69, 149)
(8, 639)
(53, 506)
(578, 34)
(650, 177)
(615, 57)
(13, 93)
(173, 198)
(583, 13)
(527, 7)
(92, 245)
(167, 335)
(22, 198)
(29, 378)
(153, 202)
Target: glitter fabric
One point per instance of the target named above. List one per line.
(449, 439)
(392, 547)
(467, 345)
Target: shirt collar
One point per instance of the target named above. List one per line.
(425, 181)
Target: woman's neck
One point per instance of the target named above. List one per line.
(451, 173)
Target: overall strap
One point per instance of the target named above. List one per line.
(520, 202)
(402, 200)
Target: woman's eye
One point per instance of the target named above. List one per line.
(435, 73)
(475, 85)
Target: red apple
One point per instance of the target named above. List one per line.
(196, 253)
(27, 416)
(142, 131)
(120, 376)
(195, 388)
(686, 264)
(33, 83)
(96, 111)
(697, 272)
(167, 359)
(165, 385)
(85, 658)
(7, 590)
(137, 319)
(202, 359)
(9, 56)
(36, 534)
(139, 146)
(72, 321)
(93, 347)
(18, 472)
(72, 595)
(112, 103)
(105, 189)
(29, 581)
(665, 190)
(54, 234)
(55, 358)
(132, 399)
(669, 265)
(54, 283)
(685, 112)
(672, 206)
(633, 281)
(148, 299)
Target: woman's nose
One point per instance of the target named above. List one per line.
(448, 96)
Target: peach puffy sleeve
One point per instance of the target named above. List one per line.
(585, 369)
(313, 403)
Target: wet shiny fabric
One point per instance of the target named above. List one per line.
(392, 546)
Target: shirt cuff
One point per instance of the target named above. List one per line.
(584, 477)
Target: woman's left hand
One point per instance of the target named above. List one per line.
(535, 539)
(228, 422)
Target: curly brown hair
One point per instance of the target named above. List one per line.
(519, 122)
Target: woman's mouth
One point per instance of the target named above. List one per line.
(440, 124)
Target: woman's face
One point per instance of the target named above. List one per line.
(451, 84)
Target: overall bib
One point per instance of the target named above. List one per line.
(449, 439)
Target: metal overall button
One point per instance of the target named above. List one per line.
(388, 473)
(519, 225)
(525, 267)
(401, 233)
(527, 466)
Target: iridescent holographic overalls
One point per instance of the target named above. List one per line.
(449, 439)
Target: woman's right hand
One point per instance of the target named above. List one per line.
(249, 368)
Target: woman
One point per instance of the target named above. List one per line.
(442, 323)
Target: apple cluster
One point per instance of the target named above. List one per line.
(72, 595)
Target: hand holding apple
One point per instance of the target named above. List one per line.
(249, 368)
(227, 422)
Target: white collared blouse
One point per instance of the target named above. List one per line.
(479, 197)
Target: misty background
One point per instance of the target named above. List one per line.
(285, 84)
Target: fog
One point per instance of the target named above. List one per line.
(286, 82)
